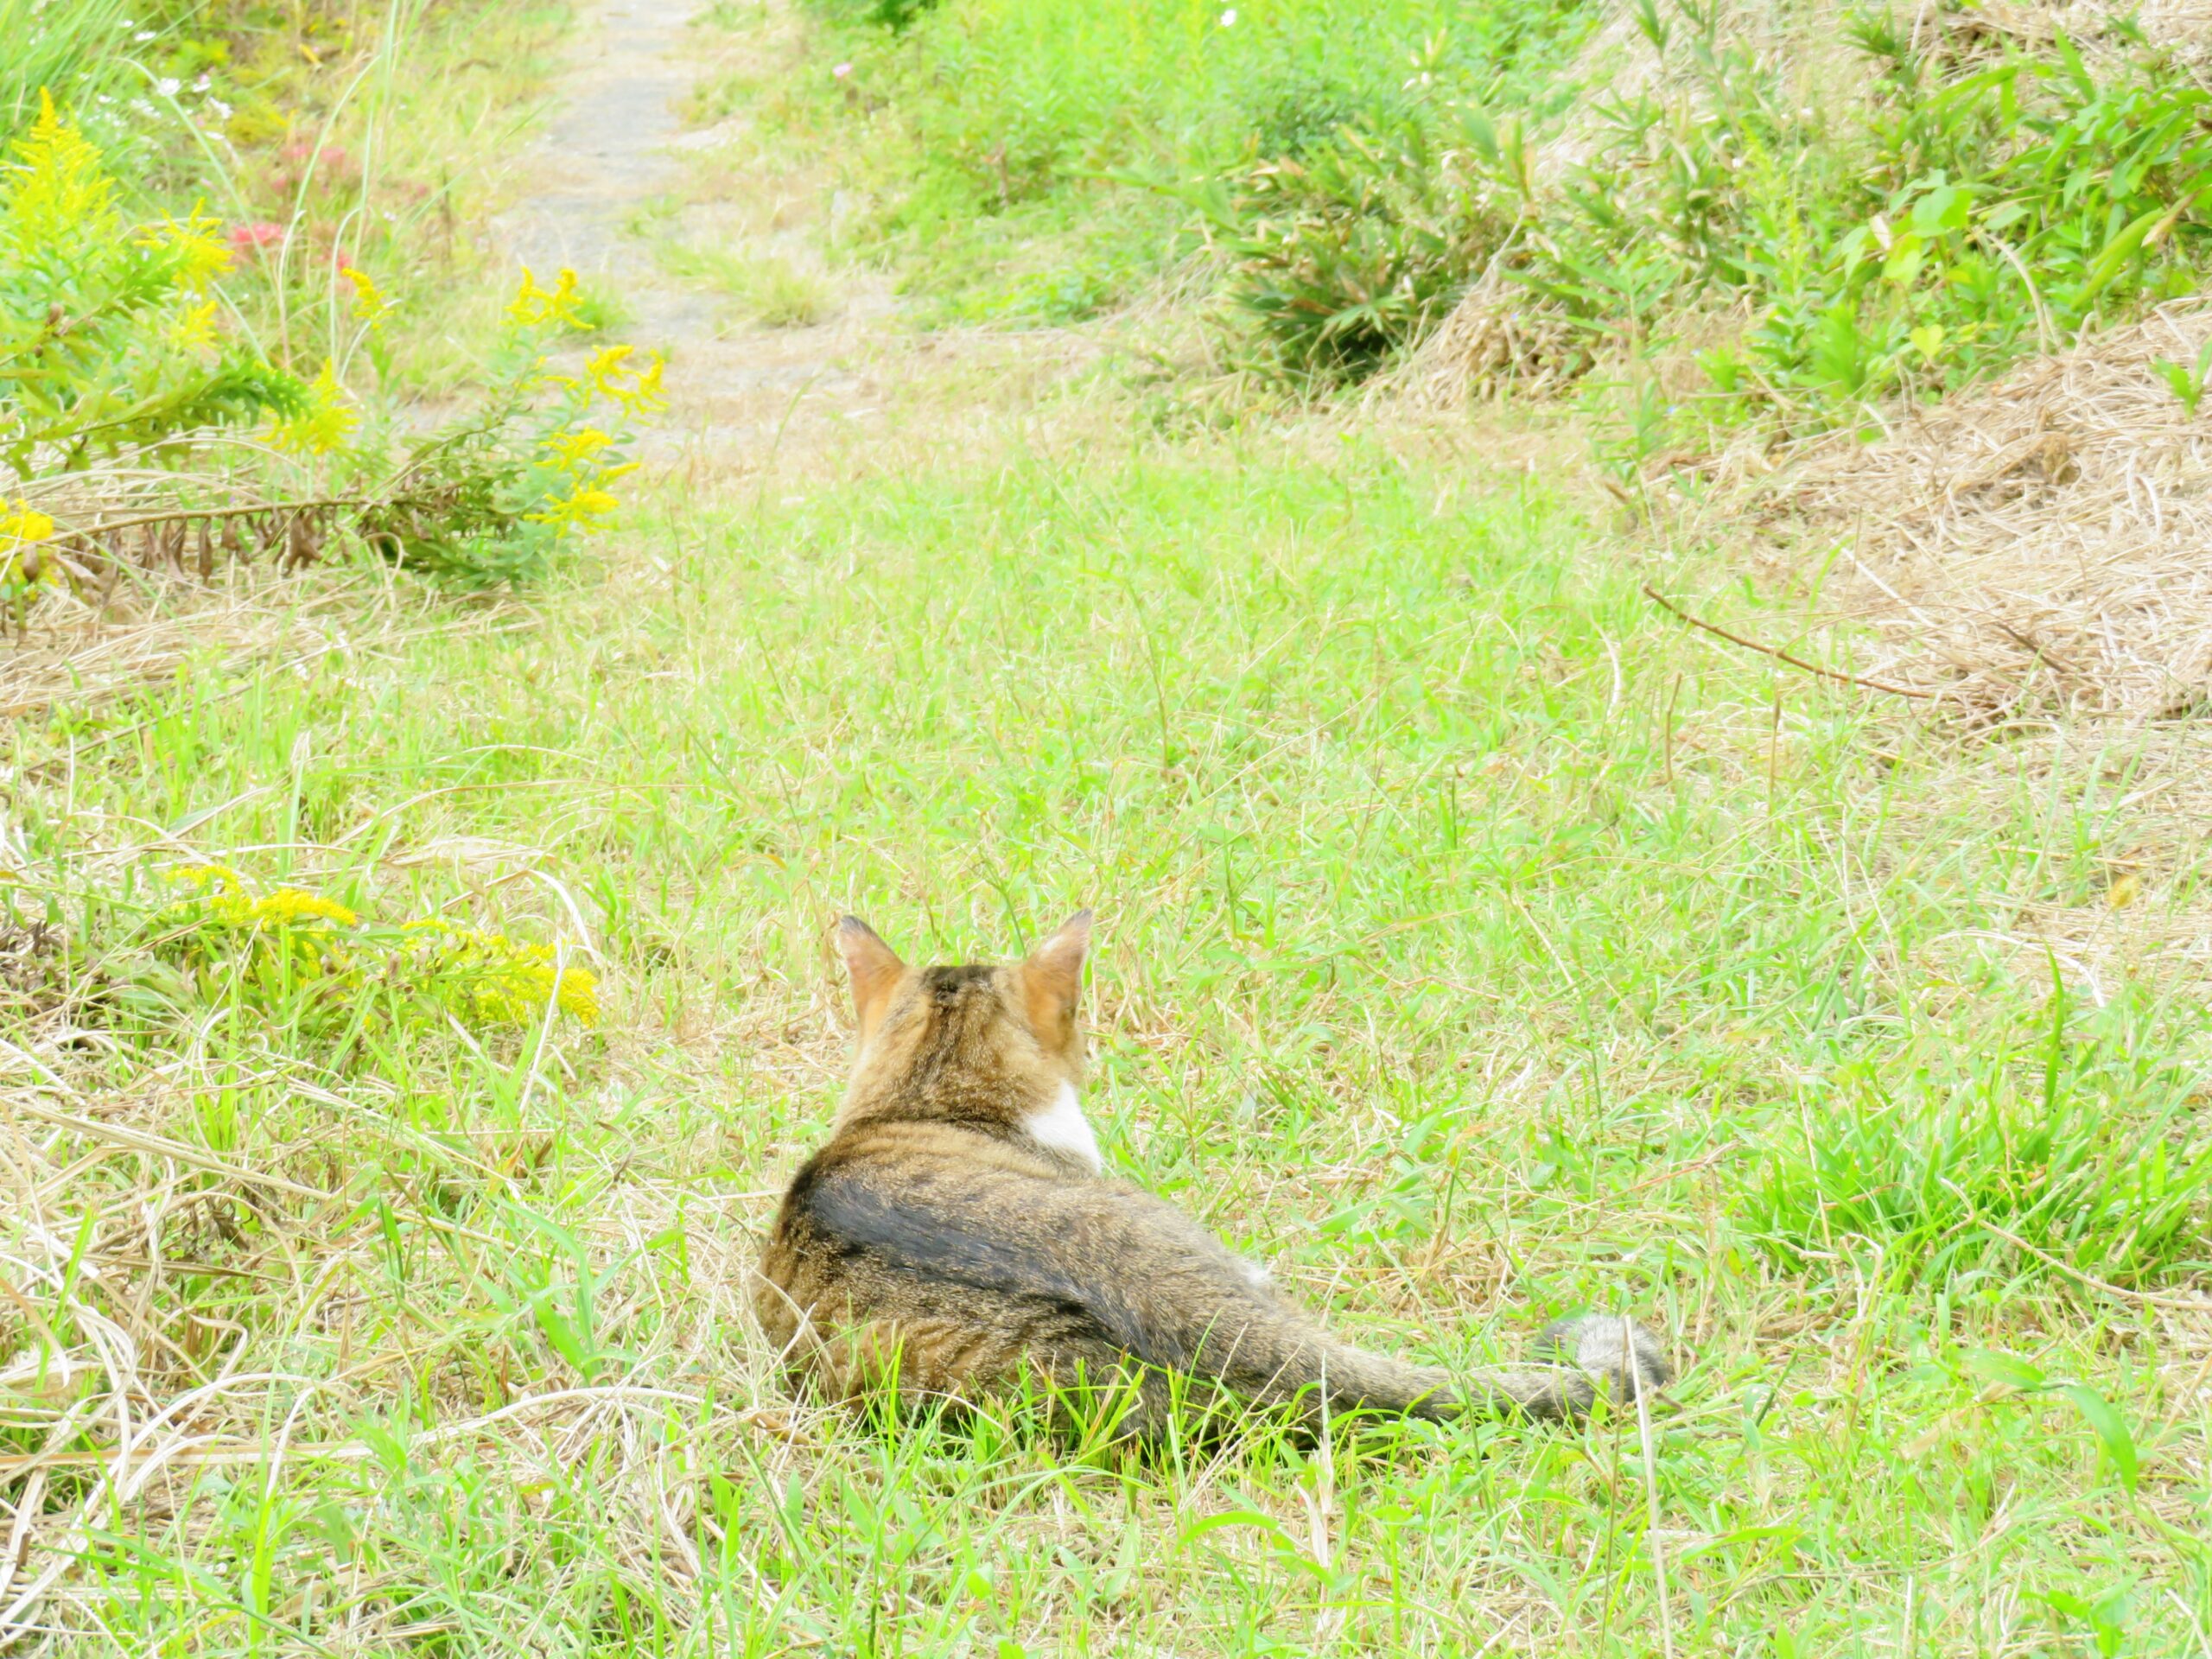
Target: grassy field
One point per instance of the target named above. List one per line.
(1477, 944)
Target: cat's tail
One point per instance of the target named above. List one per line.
(1277, 1356)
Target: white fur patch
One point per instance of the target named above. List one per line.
(1062, 1127)
(1254, 1276)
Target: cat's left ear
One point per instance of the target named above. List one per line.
(1052, 981)
(875, 970)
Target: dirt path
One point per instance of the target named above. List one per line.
(683, 225)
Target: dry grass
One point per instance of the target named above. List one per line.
(91, 651)
(2036, 544)
(152, 628)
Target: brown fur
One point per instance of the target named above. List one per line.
(936, 1243)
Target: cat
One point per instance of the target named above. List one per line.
(958, 1229)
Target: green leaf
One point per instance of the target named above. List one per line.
(1942, 210)
(2006, 1372)
(2124, 246)
(2111, 1430)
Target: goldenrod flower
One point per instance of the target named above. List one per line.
(22, 530)
(325, 426)
(634, 390)
(194, 330)
(199, 257)
(220, 888)
(21, 524)
(579, 994)
(485, 978)
(572, 451)
(533, 304)
(646, 394)
(203, 876)
(56, 189)
(290, 908)
(509, 982)
(369, 303)
(582, 507)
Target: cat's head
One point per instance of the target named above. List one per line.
(985, 1043)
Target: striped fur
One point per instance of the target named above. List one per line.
(955, 1233)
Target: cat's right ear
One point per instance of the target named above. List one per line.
(875, 968)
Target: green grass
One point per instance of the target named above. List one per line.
(766, 289)
(1014, 153)
(1476, 946)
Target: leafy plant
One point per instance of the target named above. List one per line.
(1968, 211)
(300, 949)
(490, 500)
(108, 330)
(1346, 255)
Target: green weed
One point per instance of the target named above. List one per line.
(1959, 1180)
(1347, 254)
(2187, 380)
(768, 289)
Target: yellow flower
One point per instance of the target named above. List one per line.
(56, 187)
(646, 394)
(580, 509)
(369, 303)
(533, 304)
(325, 426)
(635, 390)
(203, 876)
(194, 330)
(21, 524)
(503, 981)
(225, 896)
(21, 532)
(199, 257)
(290, 906)
(572, 451)
(579, 994)
(220, 886)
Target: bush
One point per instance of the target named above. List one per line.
(1955, 215)
(2004, 209)
(109, 337)
(1344, 256)
(111, 344)
(1047, 112)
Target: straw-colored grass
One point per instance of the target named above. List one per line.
(2037, 544)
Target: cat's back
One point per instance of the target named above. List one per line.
(877, 1202)
(925, 1233)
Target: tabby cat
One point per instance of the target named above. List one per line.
(958, 1229)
